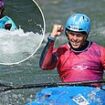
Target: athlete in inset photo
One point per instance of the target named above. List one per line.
(79, 59)
(5, 21)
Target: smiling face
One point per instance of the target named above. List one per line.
(76, 39)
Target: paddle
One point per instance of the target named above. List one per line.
(6, 87)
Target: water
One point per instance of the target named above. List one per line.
(24, 13)
(17, 46)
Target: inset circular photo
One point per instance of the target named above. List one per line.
(22, 29)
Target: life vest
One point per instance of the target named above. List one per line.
(75, 66)
(88, 64)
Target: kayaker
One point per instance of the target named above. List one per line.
(79, 59)
(5, 21)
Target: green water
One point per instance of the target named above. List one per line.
(55, 11)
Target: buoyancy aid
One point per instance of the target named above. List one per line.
(73, 66)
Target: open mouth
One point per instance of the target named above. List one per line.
(76, 44)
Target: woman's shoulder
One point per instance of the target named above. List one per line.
(96, 45)
(97, 48)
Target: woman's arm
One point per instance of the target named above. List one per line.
(48, 59)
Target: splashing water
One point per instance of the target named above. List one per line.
(17, 46)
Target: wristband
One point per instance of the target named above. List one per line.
(51, 38)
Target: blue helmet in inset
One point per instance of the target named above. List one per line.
(1, 3)
(79, 23)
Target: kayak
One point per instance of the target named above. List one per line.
(70, 95)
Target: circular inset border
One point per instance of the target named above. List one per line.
(43, 33)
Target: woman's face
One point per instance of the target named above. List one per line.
(76, 39)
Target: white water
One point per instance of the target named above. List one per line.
(17, 46)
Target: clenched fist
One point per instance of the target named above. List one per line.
(57, 30)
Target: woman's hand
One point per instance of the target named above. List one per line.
(57, 30)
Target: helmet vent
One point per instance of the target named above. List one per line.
(86, 19)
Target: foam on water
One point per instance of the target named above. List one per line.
(17, 46)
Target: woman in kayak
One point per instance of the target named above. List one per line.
(77, 60)
(5, 21)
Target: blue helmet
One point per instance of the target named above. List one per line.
(79, 23)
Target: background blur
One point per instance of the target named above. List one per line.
(55, 11)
